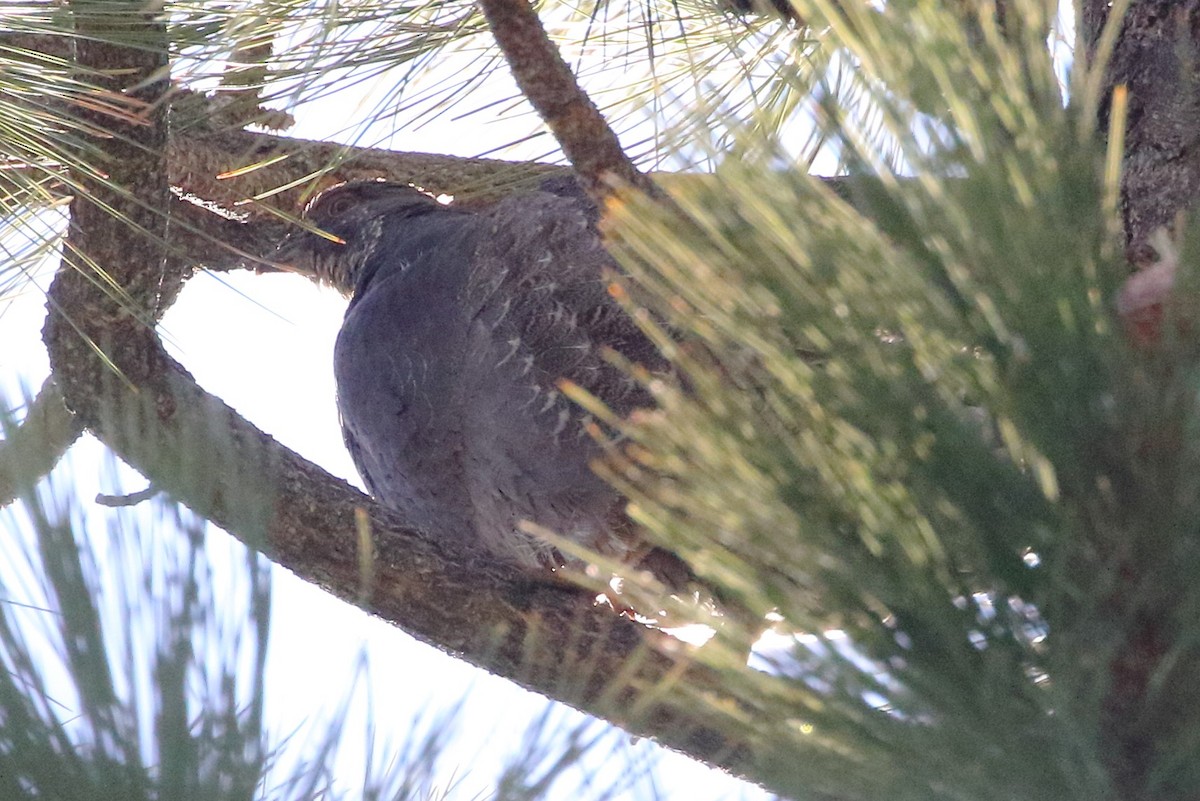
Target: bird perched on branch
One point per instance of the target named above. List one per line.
(461, 329)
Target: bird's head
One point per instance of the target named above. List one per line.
(344, 224)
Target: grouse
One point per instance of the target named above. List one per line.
(462, 325)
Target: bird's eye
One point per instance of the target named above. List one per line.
(340, 204)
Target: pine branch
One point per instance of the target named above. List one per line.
(545, 638)
(550, 87)
(228, 167)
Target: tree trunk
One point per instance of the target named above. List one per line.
(1155, 57)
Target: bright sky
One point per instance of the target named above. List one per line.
(264, 344)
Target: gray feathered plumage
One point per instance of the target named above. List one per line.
(460, 327)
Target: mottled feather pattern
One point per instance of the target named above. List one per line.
(448, 364)
(540, 279)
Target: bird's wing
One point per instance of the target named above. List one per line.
(540, 312)
(540, 282)
(397, 362)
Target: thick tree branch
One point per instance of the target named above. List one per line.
(547, 638)
(550, 86)
(231, 166)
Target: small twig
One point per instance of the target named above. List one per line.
(132, 499)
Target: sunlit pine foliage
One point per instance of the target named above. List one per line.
(912, 433)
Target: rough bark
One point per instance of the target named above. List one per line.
(232, 168)
(1156, 57)
(550, 87)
